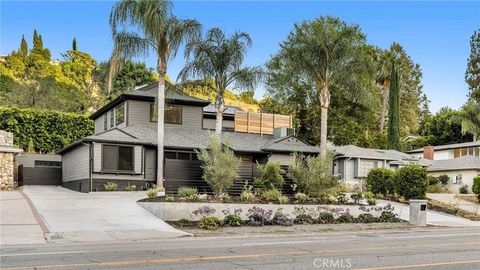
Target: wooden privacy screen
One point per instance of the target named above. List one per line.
(260, 123)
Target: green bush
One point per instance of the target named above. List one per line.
(301, 197)
(44, 131)
(345, 218)
(169, 198)
(411, 182)
(312, 175)
(152, 193)
(233, 220)
(220, 165)
(356, 197)
(130, 187)
(463, 189)
(303, 219)
(247, 196)
(434, 189)
(444, 179)
(274, 195)
(366, 218)
(388, 216)
(111, 186)
(380, 181)
(372, 201)
(184, 222)
(476, 186)
(326, 218)
(209, 223)
(271, 176)
(187, 192)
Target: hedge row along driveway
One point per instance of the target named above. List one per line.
(44, 131)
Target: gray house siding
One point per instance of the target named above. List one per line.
(283, 159)
(150, 164)
(75, 164)
(139, 115)
(209, 123)
(99, 125)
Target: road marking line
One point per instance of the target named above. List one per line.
(212, 258)
(43, 253)
(421, 265)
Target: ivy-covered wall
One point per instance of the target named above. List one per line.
(44, 131)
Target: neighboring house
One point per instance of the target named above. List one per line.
(352, 163)
(123, 147)
(449, 151)
(461, 171)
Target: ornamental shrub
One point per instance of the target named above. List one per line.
(411, 182)
(444, 179)
(345, 218)
(463, 189)
(271, 176)
(388, 216)
(366, 218)
(187, 192)
(281, 219)
(209, 223)
(220, 165)
(312, 175)
(152, 193)
(476, 186)
(44, 131)
(380, 181)
(275, 196)
(111, 186)
(233, 220)
(326, 217)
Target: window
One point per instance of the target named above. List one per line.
(117, 158)
(184, 156)
(45, 163)
(120, 114)
(173, 114)
(181, 155)
(105, 121)
(111, 118)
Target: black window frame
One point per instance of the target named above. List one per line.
(153, 117)
(122, 106)
(47, 163)
(117, 170)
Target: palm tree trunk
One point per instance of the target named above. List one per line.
(160, 125)
(220, 108)
(324, 103)
(384, 105)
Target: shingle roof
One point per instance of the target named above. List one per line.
(461, 163)
(355, 151)
(449, 146)
(188, 138)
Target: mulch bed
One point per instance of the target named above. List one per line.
(452, 210)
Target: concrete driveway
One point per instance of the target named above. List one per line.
(18, 224)
(96, 216)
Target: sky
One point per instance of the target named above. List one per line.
(435, 34)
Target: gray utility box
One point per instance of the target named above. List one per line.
(418, 213)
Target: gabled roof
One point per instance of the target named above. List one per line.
(461, 163)
(188, 138)
(148, 93)
(449, 146)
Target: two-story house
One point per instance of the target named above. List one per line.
(123, 146)
(459, 161)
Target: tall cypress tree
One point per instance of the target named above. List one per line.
(394, 111)
(23, 51)
(37, 41)
(74, 44)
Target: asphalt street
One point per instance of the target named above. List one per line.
(428, 248)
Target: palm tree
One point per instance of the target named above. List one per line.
(469, 118)
(157, 30)
(331, 54)
(220, 58)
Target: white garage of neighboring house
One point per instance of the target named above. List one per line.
(461, 171)
(39, 169)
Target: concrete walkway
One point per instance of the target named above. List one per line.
(447, 198)
(18, 225)
(433, 218)
(96, 216)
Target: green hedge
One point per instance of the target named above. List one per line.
(44, 131)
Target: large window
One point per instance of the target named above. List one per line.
(117, 158)
(173, 114)
(120, 114)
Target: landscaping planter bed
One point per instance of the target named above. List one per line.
(175, 211)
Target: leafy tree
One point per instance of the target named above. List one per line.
(442, 128)
(220, 165)
(271, 176)
(394, 112)
(23, 51)
(38, 47)
(158, 30)
(327, 52)
(469, 118)
(74, 44)
(472, 74)
(220, 58)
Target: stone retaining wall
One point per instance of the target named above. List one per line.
(7, 160)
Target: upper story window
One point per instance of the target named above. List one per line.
(112, 119)
(173, 114)
(117, 158)
(120, 114)
(105, 121)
